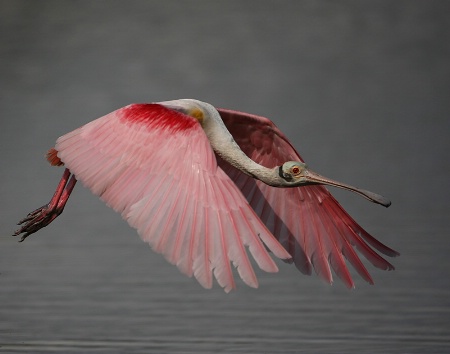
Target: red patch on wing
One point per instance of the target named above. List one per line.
(156, 116)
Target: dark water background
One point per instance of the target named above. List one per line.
(360, 87)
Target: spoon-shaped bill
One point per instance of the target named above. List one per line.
(315, 178)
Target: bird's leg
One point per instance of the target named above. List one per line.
(43, 216)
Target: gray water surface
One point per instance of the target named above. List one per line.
(360, 88)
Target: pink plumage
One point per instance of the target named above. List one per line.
(156, 167)
(316, 231)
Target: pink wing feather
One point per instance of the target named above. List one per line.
(308, 221)
(156, 167)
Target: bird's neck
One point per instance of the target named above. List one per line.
(226, 147)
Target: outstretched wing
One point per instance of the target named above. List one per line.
(307, 220)
(156, 167)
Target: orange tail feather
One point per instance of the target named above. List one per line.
(52, 157)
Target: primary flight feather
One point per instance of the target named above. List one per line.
(204, 185)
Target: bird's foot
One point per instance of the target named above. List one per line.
(36, 220)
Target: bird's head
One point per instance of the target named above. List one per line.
(296, 174)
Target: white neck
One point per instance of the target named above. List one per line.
(224, 145)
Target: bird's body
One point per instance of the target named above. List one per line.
(202, 185)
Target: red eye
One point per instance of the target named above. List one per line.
(295, 170)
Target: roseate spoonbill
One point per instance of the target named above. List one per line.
(199, 185)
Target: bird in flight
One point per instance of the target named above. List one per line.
(206, 187)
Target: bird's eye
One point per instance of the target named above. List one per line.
(295, 170)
